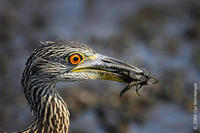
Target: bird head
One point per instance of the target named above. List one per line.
(72, 61)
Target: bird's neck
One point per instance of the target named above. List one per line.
(49, 108)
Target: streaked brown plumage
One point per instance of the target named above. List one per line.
(51, 63)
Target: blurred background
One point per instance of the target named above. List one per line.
(161, 35)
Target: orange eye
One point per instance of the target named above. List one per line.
(75, 58)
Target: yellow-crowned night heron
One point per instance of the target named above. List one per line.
(67, 61)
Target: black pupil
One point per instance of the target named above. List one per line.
(75, 58)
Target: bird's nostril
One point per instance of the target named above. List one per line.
(105, 60)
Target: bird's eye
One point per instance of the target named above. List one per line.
(75, 58)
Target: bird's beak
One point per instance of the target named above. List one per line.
(107, 68)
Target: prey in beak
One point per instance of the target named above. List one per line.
(102, 67)
(146, 80)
